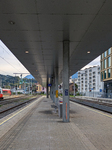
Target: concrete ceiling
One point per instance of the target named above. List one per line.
(41, 26)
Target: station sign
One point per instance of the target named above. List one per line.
(66, 92)
(49, 85)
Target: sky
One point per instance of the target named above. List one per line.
(9, 64)
(95, 62)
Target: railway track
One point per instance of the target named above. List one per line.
(103, 105)
(13, 107)
(11, 100)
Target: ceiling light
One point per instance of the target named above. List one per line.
(88, 52)
(11, 22)
(26, 52)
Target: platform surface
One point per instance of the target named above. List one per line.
(42, 129)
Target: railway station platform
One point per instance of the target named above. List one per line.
(38, 127)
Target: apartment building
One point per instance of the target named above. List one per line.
(89, 80)
(106, 70)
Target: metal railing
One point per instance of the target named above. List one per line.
(96, 94)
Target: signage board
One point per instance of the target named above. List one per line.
(49, 85)
(100, 90)
(66, 92)
(56, 93)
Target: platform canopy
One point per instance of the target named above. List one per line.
(34, 30)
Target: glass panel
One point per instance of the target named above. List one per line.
(105, 63)
(105, 74)
(109, 51)
(102, 76)
(101, 56)
(109, 62)
(101, 65)
(109, 73)
(105, 53)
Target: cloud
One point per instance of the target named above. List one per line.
(95, 62)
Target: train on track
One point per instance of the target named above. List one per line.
(4, 92)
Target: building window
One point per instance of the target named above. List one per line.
(109, 73)
(105, 74)
(101, 65)
(101, 56)
(105, 63)
(105, 53)
(102, 76)
(109, 62)
(109, 51)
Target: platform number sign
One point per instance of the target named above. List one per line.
(66, 92)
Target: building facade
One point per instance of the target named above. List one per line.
(89, 80)
(106, 70)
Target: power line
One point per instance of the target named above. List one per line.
(10, 63)
(4, 49)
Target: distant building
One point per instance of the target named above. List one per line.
(39, 88)
(89, 80)
(106, 70)
(71, 86)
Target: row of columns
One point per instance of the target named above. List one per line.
(54, 87)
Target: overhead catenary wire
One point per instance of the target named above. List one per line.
(10, 64)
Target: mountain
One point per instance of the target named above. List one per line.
(29, 77)
(75, 75)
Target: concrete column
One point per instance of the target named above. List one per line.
(47, 88)
(53, 91)
(56, 86)
(66, 81)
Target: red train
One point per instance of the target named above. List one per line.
(4, 92)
